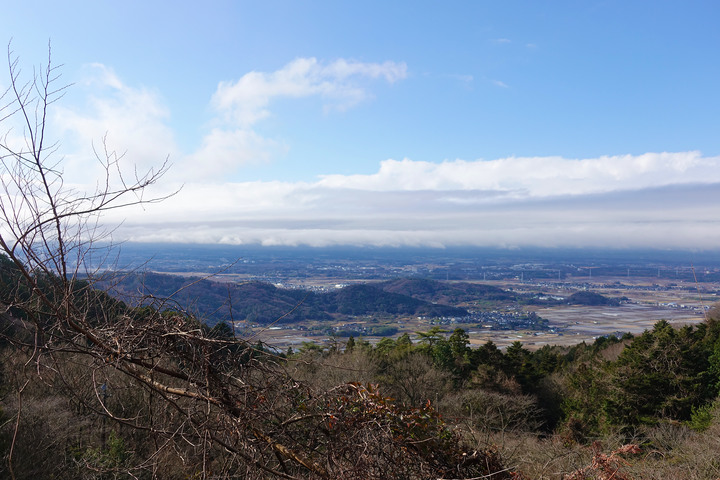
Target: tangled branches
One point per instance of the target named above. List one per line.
(181, 400)
(604, 466)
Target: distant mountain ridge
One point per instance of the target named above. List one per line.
(264, 303)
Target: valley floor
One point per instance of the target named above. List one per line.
(648, 301)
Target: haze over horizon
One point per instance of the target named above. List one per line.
(493, 124)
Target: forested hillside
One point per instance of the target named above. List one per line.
(93, 388)
(140, 385)
(263, 303)
(658, 391)
(515, 413)
(446, 292)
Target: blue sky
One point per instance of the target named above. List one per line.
(502, 123)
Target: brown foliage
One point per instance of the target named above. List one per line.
(606, 466)
(171, 399)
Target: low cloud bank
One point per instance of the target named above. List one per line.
(680, 215)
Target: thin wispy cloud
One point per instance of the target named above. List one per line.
(134, 122)
(136, 118)
(241, 104)
(463, 78)
(339, 84)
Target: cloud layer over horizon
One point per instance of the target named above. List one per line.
(656, 199)
(652, 200)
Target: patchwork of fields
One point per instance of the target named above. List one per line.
(645, 303)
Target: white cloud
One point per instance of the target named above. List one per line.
(223, 150)
(339, 84)
(521, 224)
(538, 176)
(103, 76)
(241, 104)
(137, 120)
(661, 200)
(134, 120)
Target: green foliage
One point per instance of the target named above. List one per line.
(385, 347)
(585, 390)
(585, 297)
(110, 462)
(383, 331)
(663, 374)
(714, 363)
(350, 345)
(702, 417)
(222, 331)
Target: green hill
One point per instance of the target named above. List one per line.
(591, 298)
(263, 303)
(445, 292)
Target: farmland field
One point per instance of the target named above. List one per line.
(645, 303)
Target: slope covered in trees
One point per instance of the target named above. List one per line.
(264, 303)
(114, 391)
(584, 297)
(310, 414)
(93, 388)
(445, 292)
(658, 391)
